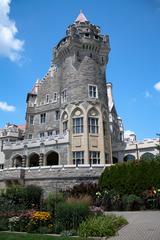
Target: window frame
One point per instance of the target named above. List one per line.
(31, 122)
(77, 126)
(64, 95)
(91, 92)
(78, 159)
(93, 128)
(55, 97)
(94, 159)
(42, 118)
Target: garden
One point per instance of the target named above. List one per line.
(81, 210)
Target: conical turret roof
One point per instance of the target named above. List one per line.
(81, 17)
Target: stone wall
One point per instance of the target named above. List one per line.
(53, 178)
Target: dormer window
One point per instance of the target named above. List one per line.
(92, 91)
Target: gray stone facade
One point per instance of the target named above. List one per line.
(67, 115)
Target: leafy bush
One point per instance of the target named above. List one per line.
(132, 202)
(20, 198)
(84, 188)
(101, 226)
(111, 200)
(131, 178)
(52, 200)
(85, 199)
(70, 215)
(3, 223)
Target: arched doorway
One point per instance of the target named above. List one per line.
(34, 160)
(147, 156)
(129, 157)
(17, 161)
(52, 158)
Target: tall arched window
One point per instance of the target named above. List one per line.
(65, 122)
(77, 121)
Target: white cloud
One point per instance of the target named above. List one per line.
(5, 107)
(157, 86)
(10, 46)
(148, 94)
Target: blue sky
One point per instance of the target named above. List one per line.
(30, 29)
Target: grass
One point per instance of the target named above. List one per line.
(28, 236)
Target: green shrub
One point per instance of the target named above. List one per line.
(132, 202)
(70, 215)
(101, 226)
(111, 200)
(84, 188)
(3, 223)
(52, 200)
(19, 198)
(131, 178)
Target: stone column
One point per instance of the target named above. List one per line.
(41, 159)
(24, 160)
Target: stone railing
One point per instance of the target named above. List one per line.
(55, 139)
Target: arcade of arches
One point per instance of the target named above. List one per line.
(35, 160)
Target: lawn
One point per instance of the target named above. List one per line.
(27, 236)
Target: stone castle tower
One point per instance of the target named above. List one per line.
(72, 98)
(68, 112)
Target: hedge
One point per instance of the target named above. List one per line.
(132, 177)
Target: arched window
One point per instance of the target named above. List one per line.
(65, 122)
(93, 119)
(129, 157)
(52, 158)
(77, 118)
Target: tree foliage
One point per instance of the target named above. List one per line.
(133, 177)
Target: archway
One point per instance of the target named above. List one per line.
(52, 158)
(115, 160)
(17, 161)
(147, 156)
(129, 157)
(34, 160)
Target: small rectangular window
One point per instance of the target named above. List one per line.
(55, 97)
(64, 96)
(41, 134)
(43, 118)
(92, 91)
(31, 119)
(47, 98)
(50, 133)
(57, 115)
(30, 136)
(78, 125)
(78, 157)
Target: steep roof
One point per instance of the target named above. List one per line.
(81, 17)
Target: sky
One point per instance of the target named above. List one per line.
(30, 29)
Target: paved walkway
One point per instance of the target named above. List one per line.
(143, 225)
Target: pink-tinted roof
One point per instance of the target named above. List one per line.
(22, 127)
(81, 17)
